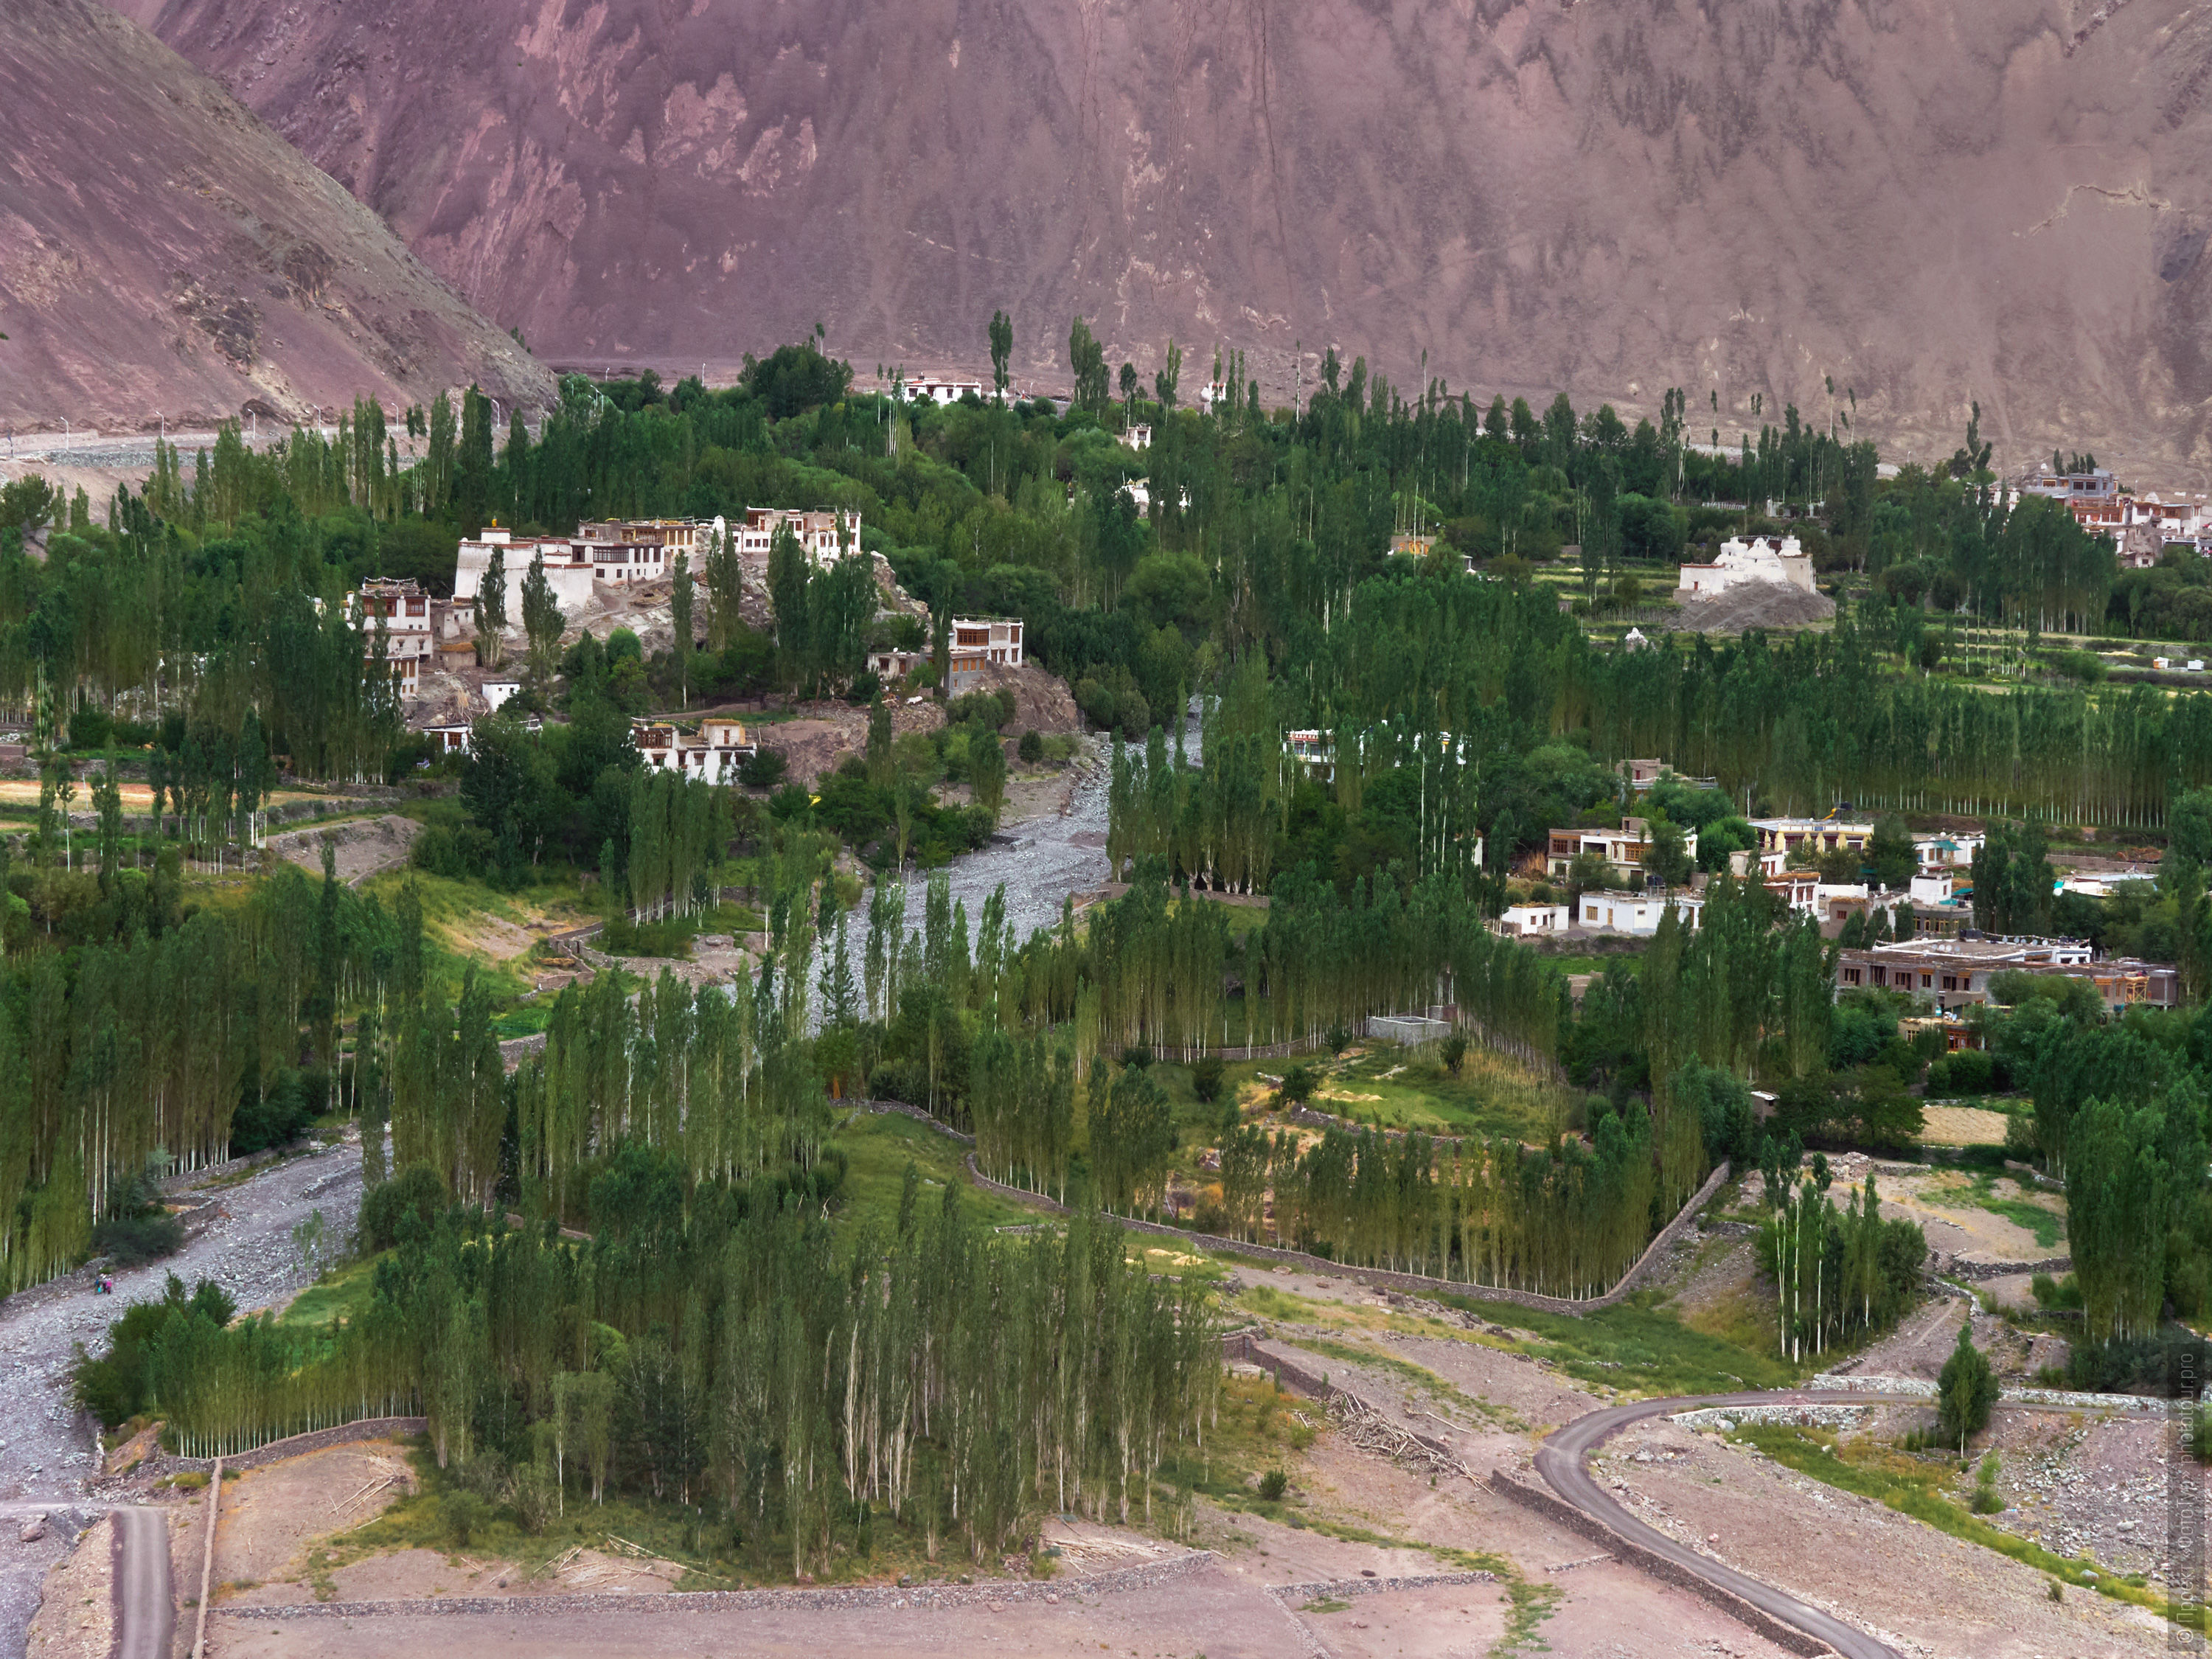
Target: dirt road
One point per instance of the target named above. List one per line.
(1562, 1459)
(49, 1454)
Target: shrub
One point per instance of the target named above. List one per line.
(132, 1241)
(415, 1192)
(1966, 1390)
(1137, 1054)
(990, 708)
(465, 1516)
(275, 1116)
(1298, 1084)
(1339, 1038)
(1273, 1485)
(791, 801)
(89, 728)
(1453, 1051)
(1031, 749)
(763, 769)
(1205, 1077)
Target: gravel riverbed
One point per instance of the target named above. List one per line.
(49, 1451)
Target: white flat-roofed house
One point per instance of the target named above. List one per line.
(1635, 913)
(817, 528)
(1523, 920)
(999, 639)
(569, 570)
(1759, 560)
(711, 755)
(399, 609)
(945, 389)
(1625, 849)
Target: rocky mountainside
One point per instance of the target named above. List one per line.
(164, 253)
(1928, 202)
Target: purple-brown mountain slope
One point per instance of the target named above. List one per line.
(164, 252)
(1930, 200)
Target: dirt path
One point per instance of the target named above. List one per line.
(48, 1452)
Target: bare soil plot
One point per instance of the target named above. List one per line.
(361, 846)
(76, 1616)
(1860, 1559)
(272, 1517)
(1962, 1126)
(1211, 1611)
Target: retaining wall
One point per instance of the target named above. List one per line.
(1383, 1277)
(298, 1445)
(1976, 1272)
(1649, 1562)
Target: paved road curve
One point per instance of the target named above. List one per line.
(143, 1605)
(1562, 1461)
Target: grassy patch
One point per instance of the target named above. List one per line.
(2047, 1225)
(880, 1147)
(1639, 1346)
(1919, 1486)
(338, 1294)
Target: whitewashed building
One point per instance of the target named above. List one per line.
(1759, 560)
(1640, 913)
(818, 530)
(399, 610)
(713, 754)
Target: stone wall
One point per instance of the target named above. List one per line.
(1383, 1277)
(298, 1445)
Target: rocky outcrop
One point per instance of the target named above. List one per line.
(165, 254)
(2005, 200)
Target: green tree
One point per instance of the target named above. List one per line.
(1891, 853)
(725, 574)
(1964, 1391)
(1669, 857)
(1002, 351)
(1086, 360)
(491, 609)
(472, 463)
(541, 618)
(986, 769)
(1164, 381)
(788, 573)
(686, 641)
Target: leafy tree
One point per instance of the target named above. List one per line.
(491, 609)
(986, 770)
(1165, 377)
(1667, 857)
(686, 640)
(1002, 351)
(1891, 854)
(1086, 360)
(541, 618)
(1966, 1390)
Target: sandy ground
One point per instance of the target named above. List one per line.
(1860, 1559)
(270, 1515)
(76, 1616)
